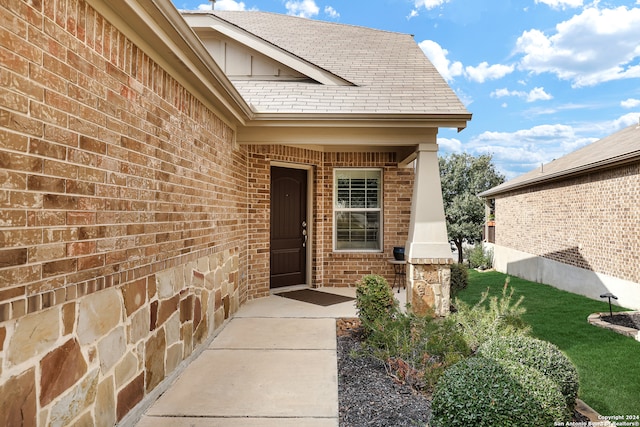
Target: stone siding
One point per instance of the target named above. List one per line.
(122, 220)
(591, 221)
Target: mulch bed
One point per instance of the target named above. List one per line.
(630, 320)
(367, 395)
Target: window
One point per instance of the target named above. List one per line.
(357, 209)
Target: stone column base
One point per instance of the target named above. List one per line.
(429, 286)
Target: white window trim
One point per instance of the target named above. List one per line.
(378, 209)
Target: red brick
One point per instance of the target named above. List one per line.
(56, 201)
(55, 268)
(47, 149)
(81, 248)
(44, 183)
(21, 162)
(12, 218)
(47, 252)
(89, 262)
(13, 180)
(81, 218)
(13, 257)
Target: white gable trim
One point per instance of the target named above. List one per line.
(202, 21)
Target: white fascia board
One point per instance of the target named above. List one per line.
(256, 43)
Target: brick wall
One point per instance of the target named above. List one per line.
(122, 221)
(329, 268)
(343, 268)
(591, 221)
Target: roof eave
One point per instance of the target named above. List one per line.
(292, 119)
(630, 157)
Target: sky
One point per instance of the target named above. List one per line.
(542, 78)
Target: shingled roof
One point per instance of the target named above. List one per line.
(383, 72)
(618, 148)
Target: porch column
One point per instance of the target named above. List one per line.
(428, 251)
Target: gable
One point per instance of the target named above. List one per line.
(246, 54)
(240, 62)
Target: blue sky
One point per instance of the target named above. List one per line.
(541, 77)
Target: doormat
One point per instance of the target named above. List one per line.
(324, 299)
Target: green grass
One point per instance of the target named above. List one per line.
(608, 363)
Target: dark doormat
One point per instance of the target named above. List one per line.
(315, 297)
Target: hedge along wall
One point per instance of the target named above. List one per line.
(122, 221)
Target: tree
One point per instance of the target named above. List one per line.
(463, 177)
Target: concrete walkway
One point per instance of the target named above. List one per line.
(273, 364)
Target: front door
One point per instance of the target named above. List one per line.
(288, 226)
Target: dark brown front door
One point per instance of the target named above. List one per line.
(288, 226)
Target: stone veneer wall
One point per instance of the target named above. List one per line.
(591, 221)
(430, 284)
(330, 268)
(122, 221)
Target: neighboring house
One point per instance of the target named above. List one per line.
(575, 223)
(153, 180)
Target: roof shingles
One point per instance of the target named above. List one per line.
(389, 72)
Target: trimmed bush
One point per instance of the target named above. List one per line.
(538, 354)
(483, 392)
(375, 302)
(459, 278)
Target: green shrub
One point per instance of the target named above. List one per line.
(483, 392)
(459, 278)
(538, 354)
(375, 302)
(417, 349)
(501, 317)
(479, 258)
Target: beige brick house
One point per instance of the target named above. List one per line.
(575, 223)
(158, 170)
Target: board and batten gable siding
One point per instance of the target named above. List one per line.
(123, 220)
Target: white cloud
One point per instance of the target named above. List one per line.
(631, 102)
(561, 4)
(331, 12)
(595, 46)
(484, 71)
(450, 145)
(522, 150)
(624, 121)
(449, 70)
(414, 13)
(224, 5)
(438, 57)
(536, 94)
(430, 4)
(303, 8)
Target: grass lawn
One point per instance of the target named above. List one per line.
(608, 363)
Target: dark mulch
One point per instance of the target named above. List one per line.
(630, 320)
(367, 395)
